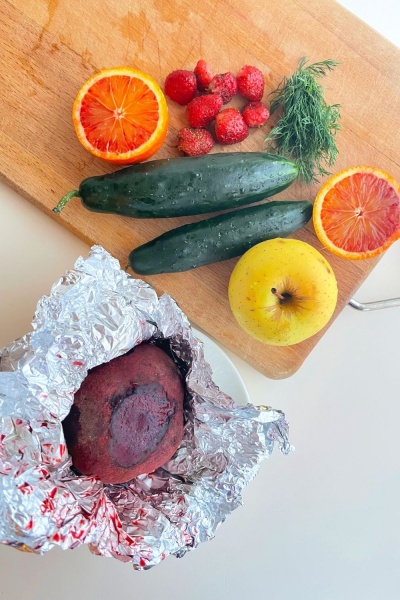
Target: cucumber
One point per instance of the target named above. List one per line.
(177, 187)
(219, 238)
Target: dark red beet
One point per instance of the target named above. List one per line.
(127, 417)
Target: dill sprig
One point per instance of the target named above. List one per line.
(306, 130)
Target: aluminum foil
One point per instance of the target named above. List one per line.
(93, 314)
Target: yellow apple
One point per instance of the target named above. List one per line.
(282, 291)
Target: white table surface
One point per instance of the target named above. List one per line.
(321, 524)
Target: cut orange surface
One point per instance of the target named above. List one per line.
(121, 115)
(356, 213)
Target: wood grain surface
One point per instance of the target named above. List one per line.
(49, 49)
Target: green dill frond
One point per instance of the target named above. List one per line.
(306, 130)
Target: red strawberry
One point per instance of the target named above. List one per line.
(225, 85)
(202, 110)
(181, 86)
(203, 75)
(255, 114)
(250, 83)
(230, 126)
(195, 142)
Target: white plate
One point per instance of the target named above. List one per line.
(225, 374)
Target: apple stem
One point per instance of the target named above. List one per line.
(276, 293)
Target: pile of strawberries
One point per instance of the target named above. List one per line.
(205, 94)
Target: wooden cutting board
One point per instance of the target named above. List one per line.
(49, 48)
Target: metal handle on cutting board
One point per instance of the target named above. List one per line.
(364, 306)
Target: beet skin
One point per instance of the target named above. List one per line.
(127, 417)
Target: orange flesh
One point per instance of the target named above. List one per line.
(119, 113)
(361, 212)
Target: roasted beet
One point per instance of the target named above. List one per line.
(127, 417)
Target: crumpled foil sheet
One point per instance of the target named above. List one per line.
(93, 314)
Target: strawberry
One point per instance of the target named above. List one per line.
(255, 114)
(181, 86)
(225, 85)
(195, 142)
(203, 75)
(250, 83)
(203, 109)
(230, 126)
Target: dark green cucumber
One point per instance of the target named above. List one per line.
(177, 187)
(219, 238)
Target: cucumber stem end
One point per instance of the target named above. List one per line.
(64, 200)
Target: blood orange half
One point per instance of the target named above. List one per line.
(356, 213)
(121, 115)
